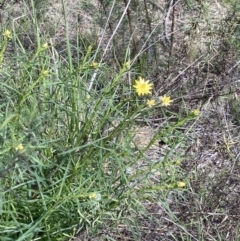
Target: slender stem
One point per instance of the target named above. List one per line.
(172, 37)
(149, 27)
(147, 16)
(130, 25)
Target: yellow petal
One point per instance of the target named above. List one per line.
(19, 147)
(142, 86)
(181, 184)
(151, 102)
(166, 100)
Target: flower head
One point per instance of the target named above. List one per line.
(196, 112)
(8, 34)
(95, 65)
(45, 46)
(151, 102)
(181, 184)
(178, 162)
(95, 196)
(19, 147)
(127, 65)
(166, 100)
(143, 86)
(45, 72)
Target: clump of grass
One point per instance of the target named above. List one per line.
(67, 154)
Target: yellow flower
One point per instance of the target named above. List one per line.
(45, 46)
(143, 86)
(166, 100)
(151, 102)
(95, 196)
(19, 147)
(95, 65)
(196, 112)
(181, 184)
(8, 34)
(45, 72)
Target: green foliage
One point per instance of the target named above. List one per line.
(234, 110)
(66, 151)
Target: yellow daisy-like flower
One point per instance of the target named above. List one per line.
(45, 46)
(166, 100)
(19, 147)
(151, 102)
(95, 65)
(196, 112)
(181, 184)
(142, 86)
(8, 34)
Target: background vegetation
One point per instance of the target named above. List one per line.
(83, 157)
